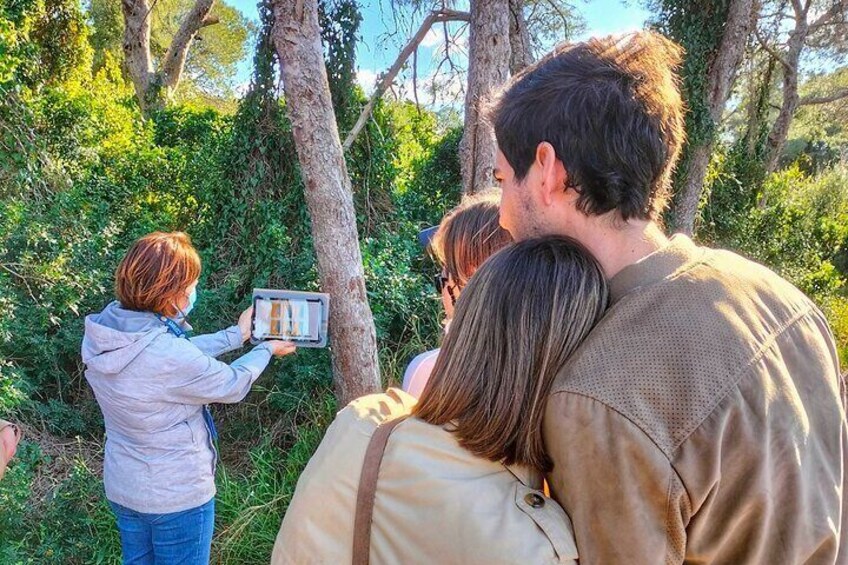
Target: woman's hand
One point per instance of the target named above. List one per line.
(280, 348)
(244, 323)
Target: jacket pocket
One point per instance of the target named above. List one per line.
(550, 518)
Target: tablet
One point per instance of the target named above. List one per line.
(299, 317)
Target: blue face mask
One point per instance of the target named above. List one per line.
(192, 298)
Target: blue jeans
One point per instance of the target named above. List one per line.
(166, 539)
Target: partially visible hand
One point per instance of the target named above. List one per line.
(8, 442)
(281, 348)
(244, 323)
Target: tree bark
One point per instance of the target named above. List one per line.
(521, 51)
(488, 66)
(297, 38)
(174, 62)
(780, 129)
(154, 88)
(741, 19)
(136, 46)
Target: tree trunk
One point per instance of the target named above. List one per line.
(174, 61)
(488, 66)
(136, 46)
(689, 197)
(780, 129)
(790, 61)
(297, 38)
(521, 52)
(153, 89)
(741, 19)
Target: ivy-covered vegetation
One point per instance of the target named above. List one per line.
(82, 175)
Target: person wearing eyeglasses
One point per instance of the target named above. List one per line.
(10, 436)
(467, 236)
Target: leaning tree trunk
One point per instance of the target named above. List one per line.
(741, 19)
(488, 68)
(174, 61)
(780, 129)
(521, 51)
(297, 38)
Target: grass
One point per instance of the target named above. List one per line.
(71, 522)
(250, 506)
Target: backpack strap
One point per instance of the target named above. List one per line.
(368, 489)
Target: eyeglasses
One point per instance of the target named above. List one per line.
(440, 281)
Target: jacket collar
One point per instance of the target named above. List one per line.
(659, 265)
(527, 476)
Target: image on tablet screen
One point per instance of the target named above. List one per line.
(287, 319)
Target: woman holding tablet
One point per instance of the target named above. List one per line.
(153, 383)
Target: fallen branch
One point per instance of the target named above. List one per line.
(387, 78)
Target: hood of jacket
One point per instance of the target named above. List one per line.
(116, 336)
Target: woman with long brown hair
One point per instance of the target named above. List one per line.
(459, 480)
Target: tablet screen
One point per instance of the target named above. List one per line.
(287, 319)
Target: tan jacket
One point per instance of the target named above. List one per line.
(702, 420)
(435, 501)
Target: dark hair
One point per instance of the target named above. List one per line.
(520, 317)
(469, 234)
(611, 108)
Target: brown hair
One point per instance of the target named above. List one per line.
(469, 234)
(521, 316)
(155, 271)
(611, 109)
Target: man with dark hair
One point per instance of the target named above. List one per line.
(703, 419)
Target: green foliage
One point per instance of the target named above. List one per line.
(818, 138)
(42, 42)
(86, 176)
(801, 225)
(253, 503)
(340, 20)
(794, 221)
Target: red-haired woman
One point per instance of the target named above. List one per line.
(153, 383)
